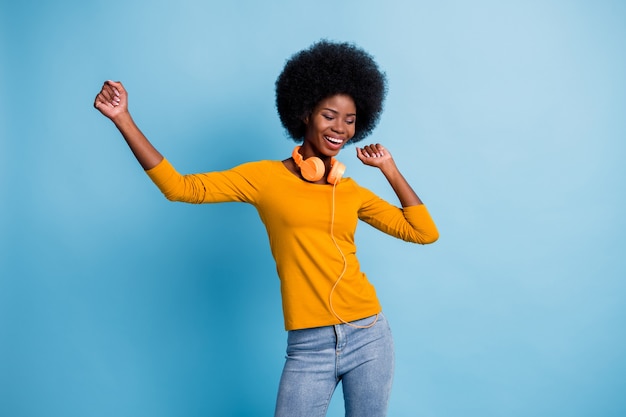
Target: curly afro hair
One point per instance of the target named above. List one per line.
(324, 70)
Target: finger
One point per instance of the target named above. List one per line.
(104, 99)
(110, 91)
(118, 91)
(101, 102)
(371, 151)
(363, 157)
(376, 150)
(108, 95)
(117, 87)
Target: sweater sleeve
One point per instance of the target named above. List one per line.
(412, 224)
(239, 184)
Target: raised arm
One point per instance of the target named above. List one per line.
(377, 156)
(112, 102)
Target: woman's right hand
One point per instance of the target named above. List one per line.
(112, 100)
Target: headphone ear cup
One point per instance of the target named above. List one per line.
(312, 169)
(336, 172)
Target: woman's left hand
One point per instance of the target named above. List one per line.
(374, 155)
(379, 157)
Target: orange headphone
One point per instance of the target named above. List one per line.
(313, 169)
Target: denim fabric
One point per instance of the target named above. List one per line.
(319, 358)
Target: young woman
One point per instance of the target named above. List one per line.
(327, 96)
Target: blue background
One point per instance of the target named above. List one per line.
(507, 117)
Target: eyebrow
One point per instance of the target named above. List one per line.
(336, 112)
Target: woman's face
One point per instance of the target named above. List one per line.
(330, 126)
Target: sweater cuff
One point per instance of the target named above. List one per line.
(161, 172)
(418, 210)
(419, 218)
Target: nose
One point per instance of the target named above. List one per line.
(338, 126)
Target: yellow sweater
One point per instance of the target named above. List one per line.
(297, 216)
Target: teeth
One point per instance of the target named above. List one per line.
(333, 140)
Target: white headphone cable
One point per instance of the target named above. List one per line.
(343, 271)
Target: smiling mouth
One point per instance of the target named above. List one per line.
(334, 140)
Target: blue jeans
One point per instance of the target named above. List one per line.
(317, 359)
